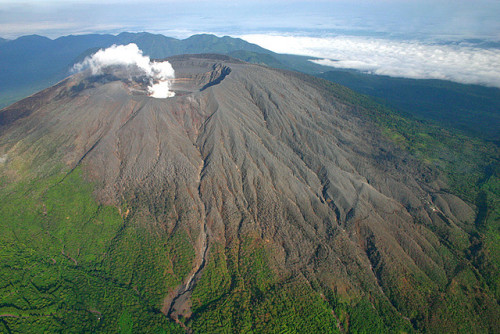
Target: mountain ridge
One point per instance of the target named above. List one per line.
(253, 188)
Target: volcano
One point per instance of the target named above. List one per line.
(254, 199)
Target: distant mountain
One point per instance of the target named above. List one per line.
(470, 108)
(255, 200)
(31, 63)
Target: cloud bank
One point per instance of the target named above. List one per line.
(159, 73)
(411, 59)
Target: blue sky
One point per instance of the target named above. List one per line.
(456, 40)
(443, 19)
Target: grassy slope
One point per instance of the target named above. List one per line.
(72, 265)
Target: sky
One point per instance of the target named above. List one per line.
(446, 19)
(445, 39)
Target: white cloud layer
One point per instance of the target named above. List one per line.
(159, 73)
(410, 59)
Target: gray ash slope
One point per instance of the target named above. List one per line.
(245, 150)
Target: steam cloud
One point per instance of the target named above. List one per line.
(158, 73)
(411, 59)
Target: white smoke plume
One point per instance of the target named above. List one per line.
(159, 73)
